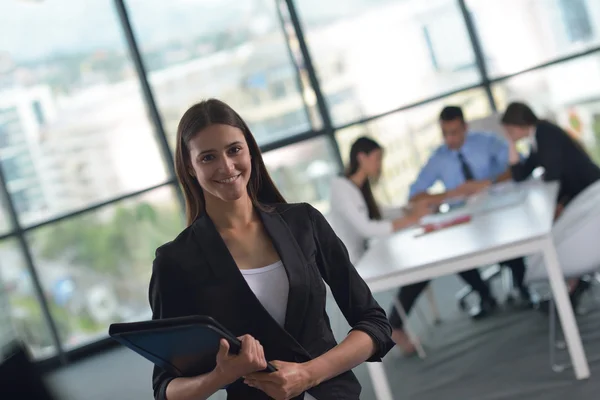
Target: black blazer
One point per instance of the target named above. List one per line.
(563, 159)
(196, 275)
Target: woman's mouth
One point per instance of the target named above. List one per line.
(231, 179)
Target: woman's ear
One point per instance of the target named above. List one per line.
(192, 172)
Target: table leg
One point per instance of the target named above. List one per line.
(381, 386)
(565, 311)
(413, 338)
(432, 303)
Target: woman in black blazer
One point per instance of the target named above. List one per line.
(238, 224)
(563, 158)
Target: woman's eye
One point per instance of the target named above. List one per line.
(207, 158)
(235, 150)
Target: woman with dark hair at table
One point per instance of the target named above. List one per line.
(257, 265)
(563, 158)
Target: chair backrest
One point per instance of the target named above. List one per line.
(490, 124)
(575, 236)
(583, 209)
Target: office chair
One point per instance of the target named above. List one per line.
(575, 234)
(488, 274)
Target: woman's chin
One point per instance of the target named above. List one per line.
(232, 195)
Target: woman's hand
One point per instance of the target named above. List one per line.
(513, 153)
(421, 208)
(251, 358)
(290, 380)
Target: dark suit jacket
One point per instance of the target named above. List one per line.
(563, 159)
(196, 275)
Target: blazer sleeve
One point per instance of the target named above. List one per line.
(350, 291)
(553, 142)
(166, 302)
(521, 170)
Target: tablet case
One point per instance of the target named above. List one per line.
(183, 346)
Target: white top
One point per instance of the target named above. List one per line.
(271, 287)
(349, 217)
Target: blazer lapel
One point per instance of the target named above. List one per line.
(224, 268)
(295, 266)
(215, 250)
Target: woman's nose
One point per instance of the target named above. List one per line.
(227, 165)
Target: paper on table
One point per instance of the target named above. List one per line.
(456, 220)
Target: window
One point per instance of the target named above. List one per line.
(278, 90)
(10, 128)
(10, 167)
(388, 53)
(95, 267)
(576, 20)
(38, 112)
(566, 93)
(540, 30)
(233, 50)
(75, 100)
(409, 137)
(302, 171)
(282, 123)
(19, 303)
(4, 136)
(5, 223)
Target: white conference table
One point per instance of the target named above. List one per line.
(516, 230)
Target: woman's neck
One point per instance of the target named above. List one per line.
(359, 178)
(230, 214)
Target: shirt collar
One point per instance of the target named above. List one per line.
(460, 149)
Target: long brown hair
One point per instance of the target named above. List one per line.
(261, 188)
(364, 145)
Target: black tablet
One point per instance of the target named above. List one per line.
(183, 346)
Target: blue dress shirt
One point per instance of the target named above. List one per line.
(486, 154)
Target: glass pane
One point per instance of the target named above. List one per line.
(19, 302)
(302, 171)
(96, 267)
(566, 93)
(409, 137)
(519, 34)
(5, 222)
(375, 56)
(71, 114)
(234, 50)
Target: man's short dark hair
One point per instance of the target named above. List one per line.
(519, 114)
(450, 113)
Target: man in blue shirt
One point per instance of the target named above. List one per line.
(467, 163)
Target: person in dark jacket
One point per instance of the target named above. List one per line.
(563, 158)
(259, 267)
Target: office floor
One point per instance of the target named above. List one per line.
(504, 357)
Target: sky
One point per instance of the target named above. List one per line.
(30, 29)
(33, 29)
